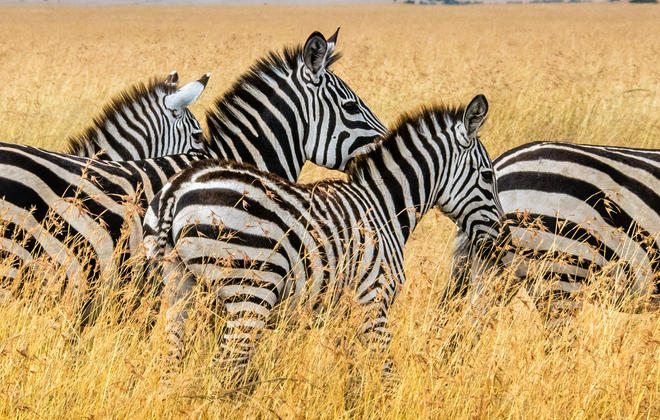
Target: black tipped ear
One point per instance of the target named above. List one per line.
(332, 42)
(315, 51)
(172, 78)
(475, 114)
(204, 79)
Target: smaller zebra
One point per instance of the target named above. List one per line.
(577, 212)
(145, 121)
(260, 240)
(78, 194)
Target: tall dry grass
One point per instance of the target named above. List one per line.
(581, 73)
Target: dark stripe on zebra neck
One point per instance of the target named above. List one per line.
(117, 143)
(226, 136)
(132, 122)
(155, 118)
(221, 136)
(295, 156)
(117, 147)
(323, 135)
(265, 148)
(391, 184)
(156, 115)
(303, 108)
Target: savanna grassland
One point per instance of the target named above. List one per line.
(574, 72)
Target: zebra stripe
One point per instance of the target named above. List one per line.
(260, 240)
(145, 121)
(582, 211)
(61, 181)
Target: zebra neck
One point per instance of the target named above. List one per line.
(116, 136)
(402, 194)
(88, 145)
(262, 123)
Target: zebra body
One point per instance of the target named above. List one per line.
(84, 202)
(143, 122)
(578, 211)
(253, 126)
(259, 240)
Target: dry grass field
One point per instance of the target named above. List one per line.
(575, 72)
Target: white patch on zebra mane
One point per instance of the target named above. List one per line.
(277, 70)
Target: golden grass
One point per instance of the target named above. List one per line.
(582, 73)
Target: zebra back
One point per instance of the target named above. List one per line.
(145, 121)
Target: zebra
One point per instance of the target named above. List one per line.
(300, 111)
(261, 241)
(577, 211)
(145, 121)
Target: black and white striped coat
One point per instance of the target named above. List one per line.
(577, 211)
(143, 122)
(56, 204)
(272, 128)
(259, 240)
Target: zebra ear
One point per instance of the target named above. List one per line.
(332, 41)
(172, 78)
(187, 95)
(315, 51)
(475, 114)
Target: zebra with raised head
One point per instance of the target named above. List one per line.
(285, 123)
(145, 121)
(577, 212)
(290, 108)
(259, 240)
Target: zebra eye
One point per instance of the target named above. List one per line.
(351, 107)
(487, 176)
(197, 137)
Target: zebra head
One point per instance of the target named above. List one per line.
(469, 196)
(185, 130)
(341, 125)
(145, 122)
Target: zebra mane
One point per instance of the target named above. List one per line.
(116, 106)
(426, 114)
(272, 65)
